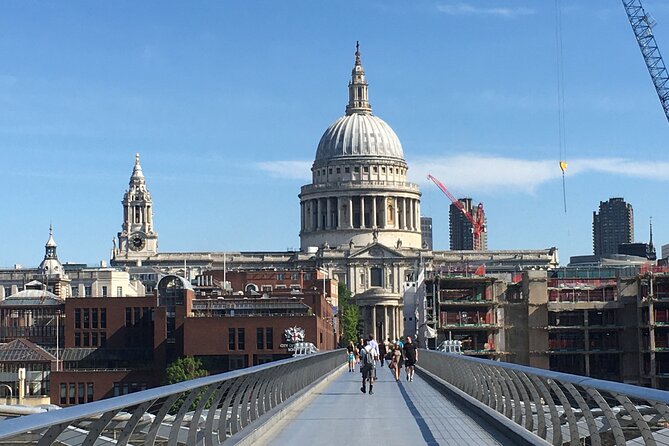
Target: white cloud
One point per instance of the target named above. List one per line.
(484, 173)
(493, 174)
(468, 9)
(292, 170)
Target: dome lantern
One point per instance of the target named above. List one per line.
(358, 99)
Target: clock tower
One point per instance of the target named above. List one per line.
(137, 239)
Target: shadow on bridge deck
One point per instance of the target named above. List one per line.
(397, 413)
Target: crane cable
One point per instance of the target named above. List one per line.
(560, 98)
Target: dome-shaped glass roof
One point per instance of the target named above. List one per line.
(359, 135)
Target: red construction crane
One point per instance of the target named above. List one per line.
(477, 220)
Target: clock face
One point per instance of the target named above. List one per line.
(136, 242)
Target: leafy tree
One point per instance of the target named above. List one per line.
(184, 369)
(349, 315)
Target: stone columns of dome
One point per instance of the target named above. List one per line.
(328, 215)
(385, 322)
(384, 213)
(373, 308)
(374, 222)
(350, 212)
(338, 212)
(362, 211)
(314, 216)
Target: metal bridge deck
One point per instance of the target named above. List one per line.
(397, 413)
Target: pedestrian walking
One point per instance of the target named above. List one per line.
(359, 346)
(410, 357)
(395, 362)
(367, 367)
(382, 353)
(375, 352)
(351, 352)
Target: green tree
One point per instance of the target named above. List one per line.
(184, 369)
(349, 315)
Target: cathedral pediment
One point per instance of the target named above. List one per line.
(375, 251)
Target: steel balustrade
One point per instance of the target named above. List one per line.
(205, 411)
(558, 407)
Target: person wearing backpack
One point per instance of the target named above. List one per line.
(367, 367)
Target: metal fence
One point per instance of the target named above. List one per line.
(204, 411)
(558, 407)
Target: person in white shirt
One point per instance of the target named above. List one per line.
(375, 351)
(367, 367)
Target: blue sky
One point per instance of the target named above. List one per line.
(226, 103)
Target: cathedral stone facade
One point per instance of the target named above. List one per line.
(360, 223)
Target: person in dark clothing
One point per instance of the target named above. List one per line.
(410, 357)
(382, 353)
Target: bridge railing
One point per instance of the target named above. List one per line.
(206, 410)
(558, 407)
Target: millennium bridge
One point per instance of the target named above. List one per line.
(453, 400)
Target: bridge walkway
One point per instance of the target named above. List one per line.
(397, 413)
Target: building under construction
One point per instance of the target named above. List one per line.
(604, 323)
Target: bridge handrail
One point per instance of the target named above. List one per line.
(559, 407)
(269, 384)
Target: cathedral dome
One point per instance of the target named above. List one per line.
(359, 134)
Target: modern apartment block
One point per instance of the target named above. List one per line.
(611, 226)
(426, 232)
(460, 228)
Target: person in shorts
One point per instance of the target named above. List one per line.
(367, 367)
(410, 357)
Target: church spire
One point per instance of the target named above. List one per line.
(358, 99)
(137, 170)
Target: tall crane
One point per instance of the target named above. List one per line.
(477, 220)
(642, 25)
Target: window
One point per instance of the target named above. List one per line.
(77, 339)
(356, 169)
(94, 341)
(330, 170)
(347, 169)
(383, 169)
(75, 292)
(77, 318)
(321, 337)
(375, 169)
(338, 169)
(89, 392)
(267, 288)
(103, 339)
(88, 291)
(119, 291)
(128, 316)
(103, 318)
(269, 338)
(294, 276)
(87, 339)
(94, 318)
(231, 339)
(86, 318)
(146, 317)
(63, 393)
(365, 169)
(318, 173)
(280, 276)
(241, 345)
(377, 276)
(260, 338)
(137, 315)
(80, 393)
(71, 399)
(104, 290)
(307, 276)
